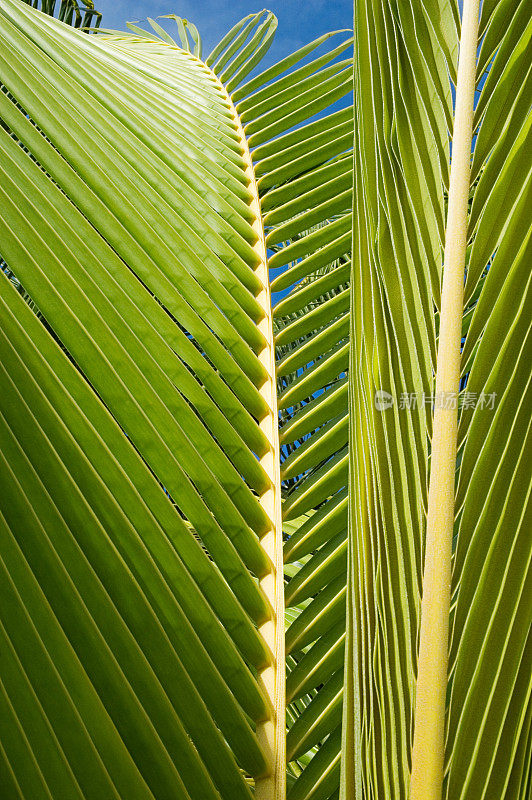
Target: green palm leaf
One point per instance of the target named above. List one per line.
(162, 324)
(404, 109)
(141, 505)
(145, 196)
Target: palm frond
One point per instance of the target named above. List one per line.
(404, 112)
(133, 231)
(138, 233)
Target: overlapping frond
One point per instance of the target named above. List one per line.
(404, 71)
(138, 443)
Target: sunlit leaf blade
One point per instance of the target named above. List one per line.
(490, 681)
(403, 117)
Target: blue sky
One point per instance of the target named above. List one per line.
(300, 21)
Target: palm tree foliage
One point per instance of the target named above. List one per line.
(141, 535)
(404, 74)
(145, 193)
(78, 15)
